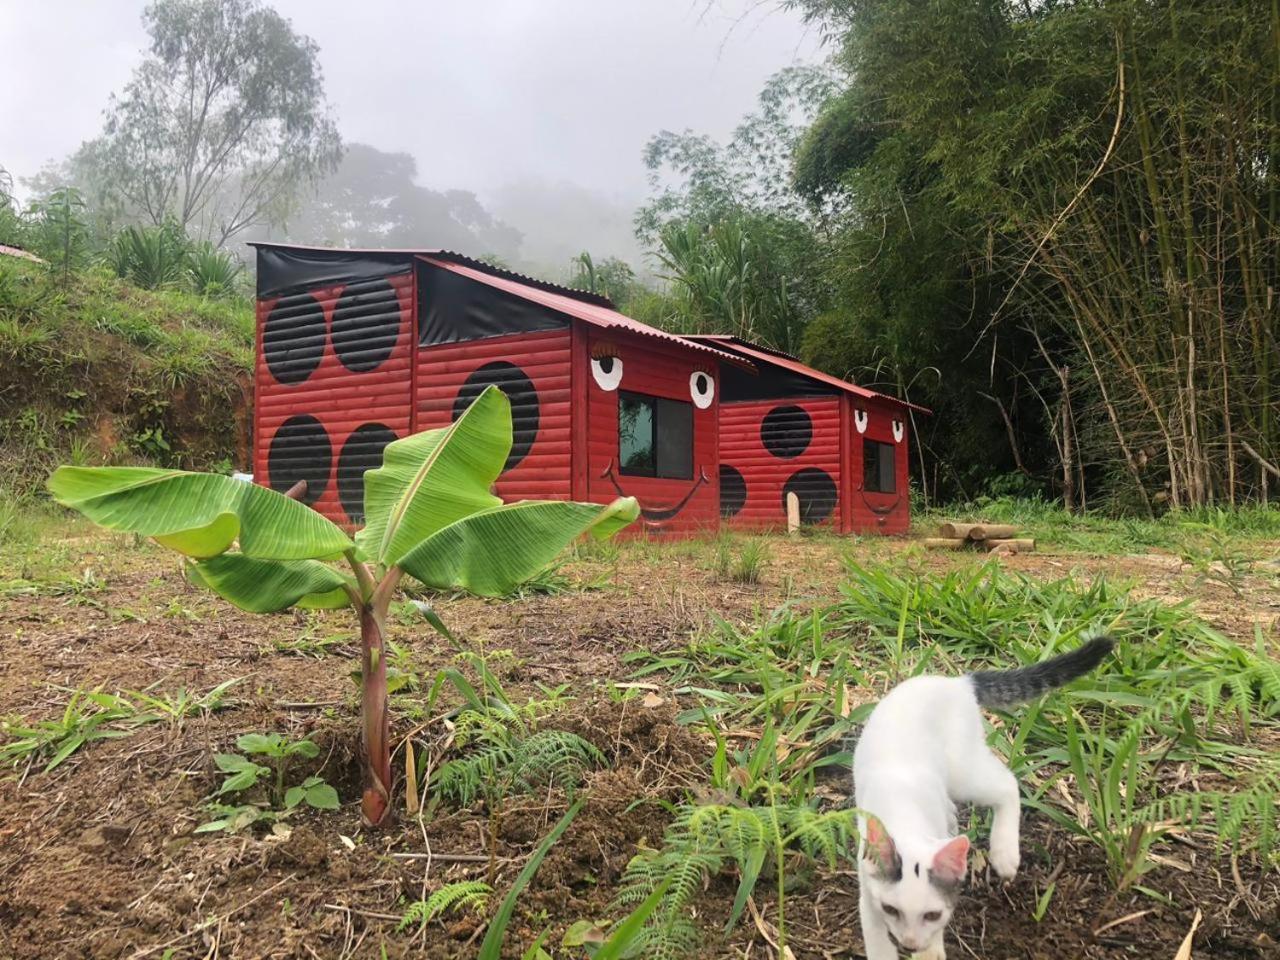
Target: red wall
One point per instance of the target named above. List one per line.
(652, 368)
(339, 399)
(543, 360)
(879, 512)
(766, 472)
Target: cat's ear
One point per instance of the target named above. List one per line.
(951, 862)
(880, 848)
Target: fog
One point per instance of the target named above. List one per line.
(541, 110)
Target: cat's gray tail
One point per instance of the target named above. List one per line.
(1002, 688)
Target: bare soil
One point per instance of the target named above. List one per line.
(98, 858)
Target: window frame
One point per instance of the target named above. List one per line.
(880, 450)
(656, 405)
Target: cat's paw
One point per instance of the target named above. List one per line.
(1005, 860)
(936, 952)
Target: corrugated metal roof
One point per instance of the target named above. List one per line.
(453, 256)
(777, 358)
(603, 317)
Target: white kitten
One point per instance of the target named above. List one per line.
(922, 751)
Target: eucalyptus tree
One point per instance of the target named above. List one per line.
(222, 124)
(429, 514)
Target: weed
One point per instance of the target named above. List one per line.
(244, 774)
(465, 895)
(88, 716)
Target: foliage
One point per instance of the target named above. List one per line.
(1046, 204)
(491, 946)
(152, 258)
(244, 774)
(464, 895)
(221, 125)
(705, 839)
(429, 513)
(88, 716)
(59, 231)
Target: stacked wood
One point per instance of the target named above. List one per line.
(993, 537)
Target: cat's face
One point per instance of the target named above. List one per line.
(914, 895)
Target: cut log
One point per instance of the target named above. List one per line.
(993, 531)
(1022, 545)
(952, 530)
(945, 543)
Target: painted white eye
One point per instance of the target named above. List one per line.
(898, 428)
(607, 371)
(702, 388)
(860, 420)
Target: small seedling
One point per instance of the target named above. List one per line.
(466, 895)
(244, 774)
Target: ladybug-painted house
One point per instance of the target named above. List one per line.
(788, 428)
(356, 348)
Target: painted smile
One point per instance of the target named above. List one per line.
(879, 511)
(657, 516)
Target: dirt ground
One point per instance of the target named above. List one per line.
(98, 859)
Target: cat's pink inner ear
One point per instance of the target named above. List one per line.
(952, 860)
(879, 843)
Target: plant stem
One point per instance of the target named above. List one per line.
(375, 801)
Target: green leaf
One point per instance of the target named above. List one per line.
(260, 743)
(293, 796)
(198, 514)
(430, 479)
(623, 938)
(491, 946)
(492, 552)
(303, 748)
(322, 797)
(265, 586)
(233, 763)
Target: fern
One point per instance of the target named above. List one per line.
(1244, 818)
(707, 838)
(506, 758)
(466, 895)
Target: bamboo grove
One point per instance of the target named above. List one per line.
(1054, 222)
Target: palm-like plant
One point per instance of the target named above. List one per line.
(429, 513)
(210, 271)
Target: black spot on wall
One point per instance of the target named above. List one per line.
(361, 452)
(786, 432)
(366, 325)
(293, 338)
(519, 389)
(300, 450)
(733, 490)
(816, 492)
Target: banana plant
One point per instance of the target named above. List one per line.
(429, 513)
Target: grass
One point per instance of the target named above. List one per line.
(1175, 734)
(97, 372)
(1099, 535)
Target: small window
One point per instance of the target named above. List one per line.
(877, 467)
(655, 437)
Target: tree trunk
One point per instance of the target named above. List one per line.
(375, 801)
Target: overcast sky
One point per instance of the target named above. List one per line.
(484, 94)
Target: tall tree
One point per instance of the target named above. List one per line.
(371, 200)
(223, 123)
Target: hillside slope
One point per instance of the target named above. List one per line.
(99, 371)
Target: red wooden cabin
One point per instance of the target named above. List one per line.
(788, 428)
(359, 347)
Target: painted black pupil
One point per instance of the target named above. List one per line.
(701, 383)
(606, 364)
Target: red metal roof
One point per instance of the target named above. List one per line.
(784, 361)
(602, 317)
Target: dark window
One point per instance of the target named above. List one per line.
(877, 467)
(655, 437)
